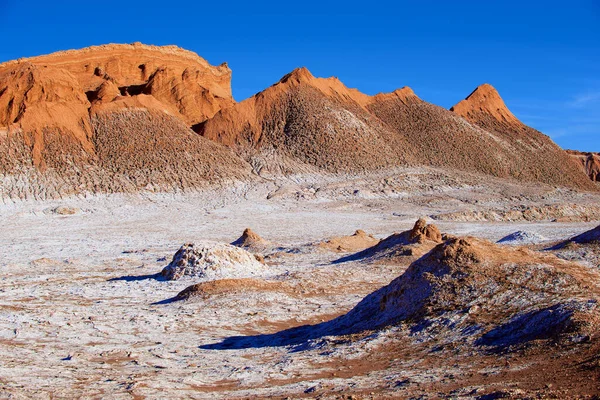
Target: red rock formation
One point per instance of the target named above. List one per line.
(117, 117)
(534, 154)
(482, 103)
(589, 163)
(310, 121)
(111, 118)
(174, 76)
(38, 103)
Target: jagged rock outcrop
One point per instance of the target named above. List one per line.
(174, 76)
(484, 105)
(48, 110)
(589, 163)
(111, 118)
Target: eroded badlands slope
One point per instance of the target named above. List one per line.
(111, 118)
(125, 118)
(314, 122)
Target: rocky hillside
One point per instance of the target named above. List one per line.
(303, 122)
(111, 118)
(589, 163)
(315, 122)
(471, 290)
(542, 158)
(133, 117)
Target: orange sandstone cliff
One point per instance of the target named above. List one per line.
(111, 118)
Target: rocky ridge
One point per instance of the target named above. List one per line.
(317, 122)
(121, 118)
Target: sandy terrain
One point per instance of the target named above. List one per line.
(83, 313)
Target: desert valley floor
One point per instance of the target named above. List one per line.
(84, 312)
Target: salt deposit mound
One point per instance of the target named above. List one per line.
(212, 261)
(251, 240)
(360, 240)
(415, 242)
(522, 237)
(470, 289)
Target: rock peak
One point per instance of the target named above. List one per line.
(484, 101)
(298, 75)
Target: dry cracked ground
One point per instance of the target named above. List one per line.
(84, 312)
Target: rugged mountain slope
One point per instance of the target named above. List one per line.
(589, 163)
(111, 118)
(321, 123)
(535, 156)
(302, 121)
(172, 75)
(118, 117)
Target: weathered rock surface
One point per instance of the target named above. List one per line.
(111, 118)
(589, 162)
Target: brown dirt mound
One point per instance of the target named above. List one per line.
(227, 286)
(250, 240)
(589, 163)
(400, 246)
(423, 231)
(360, 240)
(473, 290)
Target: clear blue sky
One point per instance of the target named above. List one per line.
(542, 56)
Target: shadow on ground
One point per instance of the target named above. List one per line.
(132, 278)
(298, 336)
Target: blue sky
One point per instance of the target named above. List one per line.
(543, 57)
